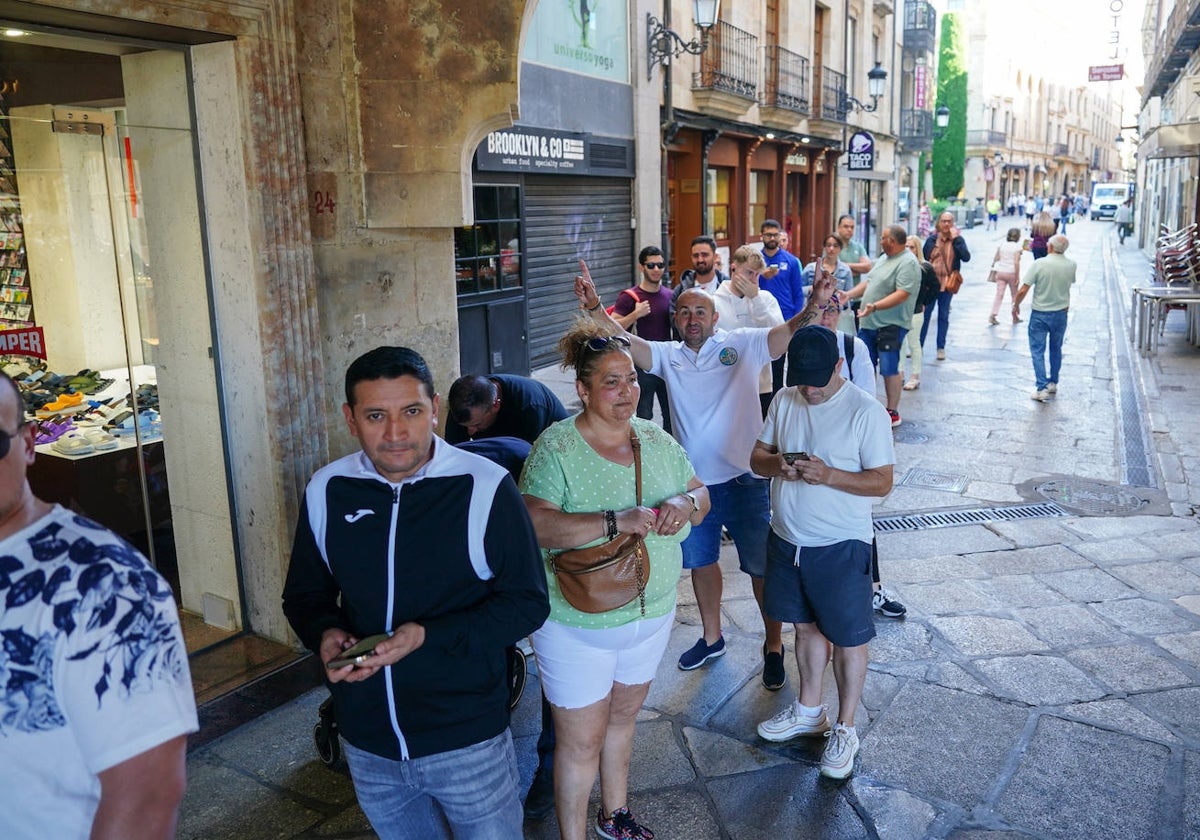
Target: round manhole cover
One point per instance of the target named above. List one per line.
(902, 435)
(1092, 496)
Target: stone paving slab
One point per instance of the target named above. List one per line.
(942, 745)
(1077, 781)
(981, 635)
(792, 801)
(1038, 680)
(1129, 668)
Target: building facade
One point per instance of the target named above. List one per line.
(758, 125)
(1168, 154)
(1031, 132)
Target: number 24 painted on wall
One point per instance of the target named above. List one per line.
(323, 202)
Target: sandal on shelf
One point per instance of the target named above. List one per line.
(912, 384)
(73, 444)
(101, 439)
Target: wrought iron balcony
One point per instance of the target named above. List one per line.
(1061, 150)
(785, 80)
(832, 105)
(730, 63)
(986, 137)
(1176, 44)
(916, 129)
(920, 26)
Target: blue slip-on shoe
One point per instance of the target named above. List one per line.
(699, 653)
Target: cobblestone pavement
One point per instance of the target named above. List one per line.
(1044, 683)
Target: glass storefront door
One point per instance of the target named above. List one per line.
(103, 251)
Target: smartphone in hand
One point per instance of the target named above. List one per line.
(356, 654)
(792, 457)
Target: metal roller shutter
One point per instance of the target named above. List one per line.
(568, 219)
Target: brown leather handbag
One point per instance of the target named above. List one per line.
(610, 575)
(953, 282)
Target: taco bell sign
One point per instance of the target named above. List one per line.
(862, 152)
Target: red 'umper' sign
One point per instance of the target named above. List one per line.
(30, 341)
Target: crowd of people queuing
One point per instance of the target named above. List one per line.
(420, 561)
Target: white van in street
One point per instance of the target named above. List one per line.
(1106, 198)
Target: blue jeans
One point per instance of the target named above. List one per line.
(1045, 326)
(887, 362)
(465, 794)
(942, 302)
(743, 506)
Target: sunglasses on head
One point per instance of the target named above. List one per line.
(6, 440)
(654, 264)
(600, 343)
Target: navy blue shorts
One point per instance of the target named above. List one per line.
(829, 586)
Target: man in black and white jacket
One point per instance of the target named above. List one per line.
(433, 547)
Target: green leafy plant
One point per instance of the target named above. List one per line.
(950, 150)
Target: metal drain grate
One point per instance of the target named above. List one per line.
(974, 516)
(931, 480)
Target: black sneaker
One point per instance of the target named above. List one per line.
(885, 604)
(774, 676)
(539, 802)
(699, 653)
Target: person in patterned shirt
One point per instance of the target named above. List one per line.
(95, 695)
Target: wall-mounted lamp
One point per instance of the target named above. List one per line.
(876, 79)
(663, 43)
(999, 158)
(941, 119)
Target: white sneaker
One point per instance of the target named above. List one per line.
(837, 762)
(791, 722)
(1040, 396)
(1052, 387)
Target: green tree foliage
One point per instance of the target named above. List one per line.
(950, 150)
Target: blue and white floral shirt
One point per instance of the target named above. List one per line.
(93, 670)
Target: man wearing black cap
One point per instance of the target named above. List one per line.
(827, 449)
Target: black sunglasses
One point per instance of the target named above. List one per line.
(601, 343)
(6, 440)
(654, 264)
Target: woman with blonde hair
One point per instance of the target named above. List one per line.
(1043, 228)
(1006, 271)
(581, 484)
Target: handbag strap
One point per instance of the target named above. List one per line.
(637, 462)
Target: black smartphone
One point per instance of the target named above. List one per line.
(356, 654)
(793, 457)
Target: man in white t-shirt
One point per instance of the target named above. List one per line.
(712, 380)
(827, 447)
(95, 697)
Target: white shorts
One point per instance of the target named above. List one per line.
(578, 667)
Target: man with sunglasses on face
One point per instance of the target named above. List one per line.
(97, 695)
(713, 378)
(646, 310)
(782, 278)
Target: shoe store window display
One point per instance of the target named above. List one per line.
(579, 486)
(823, 483)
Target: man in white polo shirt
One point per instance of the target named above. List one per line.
(712, 381)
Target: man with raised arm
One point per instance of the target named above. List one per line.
(712, 380)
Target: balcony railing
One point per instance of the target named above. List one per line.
(986, 137)
(920, 26)
(916, 129)
(730, 63)
(1173, 49)
(833, 104)
(1061, 150)
(785, 80)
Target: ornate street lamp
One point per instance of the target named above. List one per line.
(664, 43)
(876, 80)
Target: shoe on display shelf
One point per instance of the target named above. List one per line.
(101, 439)
(73, 444)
